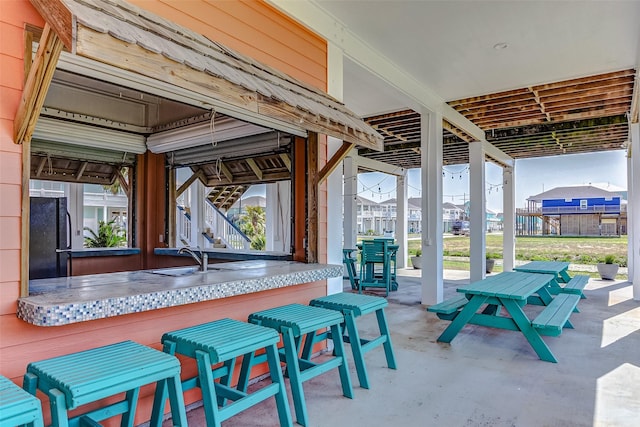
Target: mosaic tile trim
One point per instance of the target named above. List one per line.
(74, 312)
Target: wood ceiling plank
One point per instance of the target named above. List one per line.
(254, 167)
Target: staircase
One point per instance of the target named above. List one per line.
(218, 231)
(223, 197)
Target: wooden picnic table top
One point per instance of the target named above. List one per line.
(551, 267)
(509, 284)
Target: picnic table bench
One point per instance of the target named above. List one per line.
(482, 301)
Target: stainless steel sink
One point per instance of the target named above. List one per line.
(177, 271)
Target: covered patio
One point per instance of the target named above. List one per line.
(485, 376)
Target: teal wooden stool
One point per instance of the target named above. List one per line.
(224, 341)
(87, 376)
(353, 306)
(17, 407)
(294, 322)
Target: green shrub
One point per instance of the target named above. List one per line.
(109, 235)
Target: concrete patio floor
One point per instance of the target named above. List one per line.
(485, 377)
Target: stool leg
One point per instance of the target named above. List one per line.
(208, 388)
(132, 402)
(282, 403)
(176, 400)
(343, 369)
(245, 371)
(293, 368)
(384, 330)
(226, 379)
(356, 349)
(58, 405)
(160, 396)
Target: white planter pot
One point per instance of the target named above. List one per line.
(607, 271)
(416, 261)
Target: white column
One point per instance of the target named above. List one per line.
(350, 202)
(630, 197)
(271, 217)
(402, 213)
(509, 217)
(431, 177)
(197, 214)
(635, 210)
(477, 211)
(335, 70)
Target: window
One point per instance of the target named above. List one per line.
(583, 204)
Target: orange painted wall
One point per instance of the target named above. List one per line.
(251, 27)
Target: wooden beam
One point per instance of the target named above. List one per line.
(254, 167)
(198, 175)
(60, 19)
(286, 160)
(123, 181)
(36, 86)
(225, 171)
(334, 161)
(25, 219)
(43, 161)
(172, 234)
(81, 169)
(313, 185)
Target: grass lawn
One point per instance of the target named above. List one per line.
(578, 250)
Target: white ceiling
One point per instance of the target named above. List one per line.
(448, 45)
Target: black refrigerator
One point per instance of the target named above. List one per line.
(49, 239)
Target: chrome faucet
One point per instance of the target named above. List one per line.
(198, 255)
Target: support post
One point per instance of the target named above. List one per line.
(635, 202)
(477, 211)
(509, 218)
(350, 197)
(335, 231)
(431, 177)
(402, 213)
(630, 233)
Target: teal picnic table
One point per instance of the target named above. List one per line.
(560, 270)
(483, 301)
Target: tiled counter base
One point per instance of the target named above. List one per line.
(66, 300)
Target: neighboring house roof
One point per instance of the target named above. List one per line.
(365, 201)
(573, 192)
(449, 205)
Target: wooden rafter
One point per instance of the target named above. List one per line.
(254, 167)
(334, 161)
(189, 181)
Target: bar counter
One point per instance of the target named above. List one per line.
(67, 300)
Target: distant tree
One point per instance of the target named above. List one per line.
(252, 223)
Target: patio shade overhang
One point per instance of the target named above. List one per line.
(139, 42)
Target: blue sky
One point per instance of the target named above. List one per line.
(533, 176)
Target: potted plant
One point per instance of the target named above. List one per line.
(416, 260)
(490, 262)
(608, 269)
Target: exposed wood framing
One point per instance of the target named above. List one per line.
(198, 175)
(225, 171)
(334, 161)
(80, 171)
(58, 17)
(25, 219)
(254, 167)
(37, 85)
(312, 197)
(172, 204)
(123, 182)
(286, 160)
